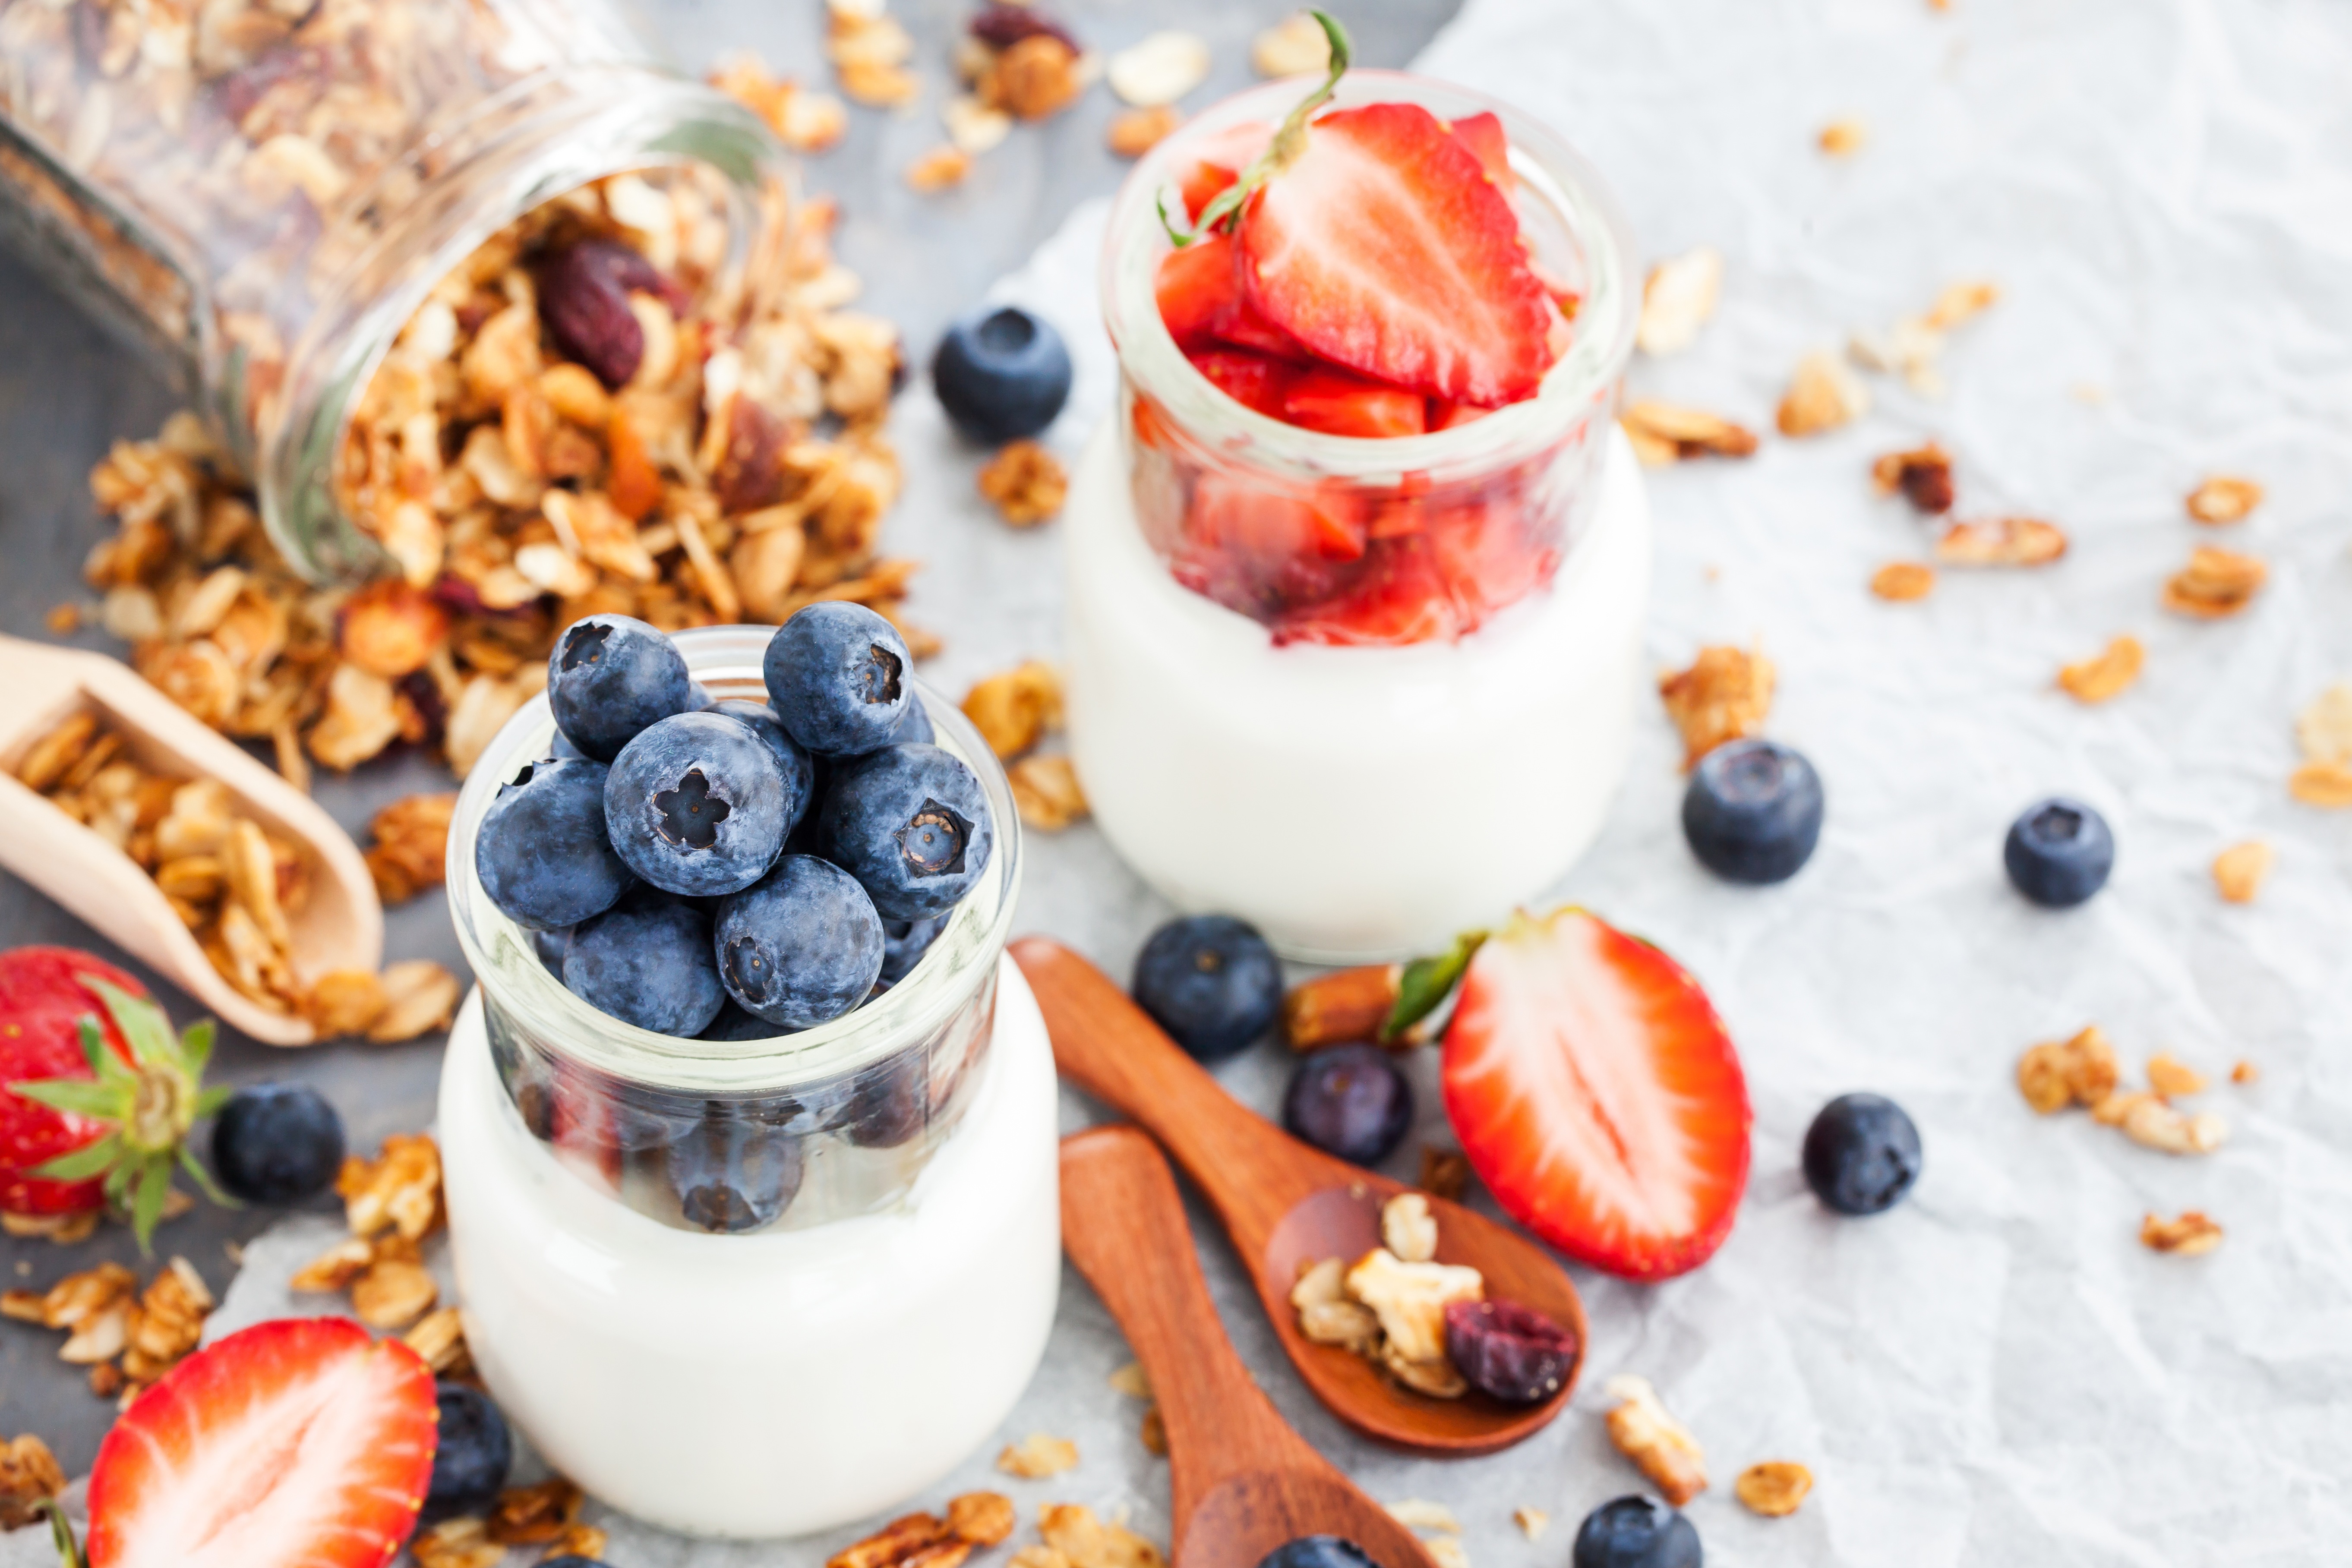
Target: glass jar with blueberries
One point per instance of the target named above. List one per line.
(745, 1057)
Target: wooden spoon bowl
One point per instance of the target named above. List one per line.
(340, 927)
(1241, 1482)
(1285, 1206)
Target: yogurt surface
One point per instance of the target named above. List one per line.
(770, 1384)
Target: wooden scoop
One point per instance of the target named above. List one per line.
(341, 926)
(1241, 1482)
(1285, 1204)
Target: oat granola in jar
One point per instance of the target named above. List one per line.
(337, 224)
(752, 1287)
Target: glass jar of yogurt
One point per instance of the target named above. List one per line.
(1363, 693)
(757, 1288)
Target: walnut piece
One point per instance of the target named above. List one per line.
(2221, 501)
(1038, 1456)
(1822, 394)
(535, 1515)
(1677, 299)
(2105, 674)
(893, 1543)
(29, 1476)
(1903, 582)
(1661, 1447)
(2190, 1236)
(2215, 583)
(984, 1518)
(1084, 1542)
(458, 1543)
(1407, 1229)
(1774, 1489)
(1025, 483)
(440, 1338)
(1411, 1298)
(1723, 696)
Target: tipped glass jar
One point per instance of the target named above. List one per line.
(263, 196)
(1364, 693)
(763, 1286)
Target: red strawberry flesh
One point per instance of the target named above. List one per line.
(1199, 292)
(1598, 1096)
(1254, 381)
(1219, 160)
(42, 1001)
(1483, 134)
(300, 1442)
(1384, 249)
(1337, 403)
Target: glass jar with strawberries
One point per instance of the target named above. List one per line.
(1357, 572)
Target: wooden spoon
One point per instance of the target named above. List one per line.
(340, 925)
(1285, 1204)
(1241, 1482)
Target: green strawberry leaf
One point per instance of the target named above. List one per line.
(147, 1202)
(1427, 982)
(103, 1063)
(196, 1046)
(77, 1097)
(142, 1024)
(204, 1178)
(60, 1532)
(1282, 152)
(209, 1102)
(91, 1160)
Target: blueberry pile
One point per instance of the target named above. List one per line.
(735, 869)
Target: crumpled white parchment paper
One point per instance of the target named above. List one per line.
(1997, 1373)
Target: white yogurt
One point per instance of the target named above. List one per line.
(770, 1384)
(1352, 802)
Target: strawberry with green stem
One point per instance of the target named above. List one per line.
(145, 1107)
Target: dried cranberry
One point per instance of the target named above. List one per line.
(583, 297)
(751, 472)
(1515, 1354)
(419, 687)
(1002, 26)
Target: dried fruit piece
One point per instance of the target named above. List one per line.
(2001, 542)
(1047, 793)
(2221, 501)
(1025, 483)
(2190, 1236)
(1774, 1489)
(1661, 1447)
(1015, 710)
(1903, 582)
(1035, 78)
(1513, 1353)
(2170, 1077)
(2215, 583)
(1677, 299)
(1342, 1006)
(1846, 136)
(1823, 395)
(1922, 476)
(1664, 432)
(1038, 1456)
(2105, 674)
(1723, 696)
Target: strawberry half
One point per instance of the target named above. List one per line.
(1384, 249)
(300, 1442)
(1199, 292)
(45, 993)
(1598, 1096)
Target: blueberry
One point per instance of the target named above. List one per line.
(914, 729)
(838, 679)
(608, 677)
(2058, 853)
(799, 769)
(1001, 374)
(1636, 1531)
(889, 1105)
(1317, 1552)
(548, 945)
(911, 824)
(700, 699)
(560, 749)
(1514, 1352)
(1212, 982)
(697, 805)
(1753, 811)
(648, 963)
(473, 1455)
(734, 1171)
(1861, 1153)
(542, 854)
(278, 1143)
(802, 945)
(734, 1024)
(904, 942)
(1350, 1102)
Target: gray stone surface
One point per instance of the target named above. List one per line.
(67, 391)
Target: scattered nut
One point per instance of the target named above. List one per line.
(1033, 78)
(1447, 1551)
(2107, 673)
(2190, 1236)
(973, 126)
(1532, 1521)
(2323, 728)
(1139, 130)
(1411, 1298)
(937, 169)
(2215, 583)
(1047, 793)
(1038, 1456)
(1661, 1447)
(2224, 500)
(1914, 345)
(2001, 542)
(1420, 1513)
(1775, 1489)
(2325, 785)
(804, 120)
(456, 1543)
(535, 1515)
(2153, 1124)
(984, 1518)
(1677, 297)
(411, 852)
(419, 995)
(440, 1338)
(1153, 1433)
(1723, 696)
(1844, 137)
(1903, 582)
(2080, 1071)
(1025, 483)
(29, 1476)
(2245, 1072)
(1408, 1228)
(2170, 1077)
(1015, 710)
(1664, 432)
(1084, 1542)
(399, 1190)
(1129, 1379)
(1823, 395)
(1160, 69)
(1295, 46)
(1343, 1006)
(896, 1542)
(1922, 476)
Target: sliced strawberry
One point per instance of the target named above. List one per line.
(44, 993)
(1483, 134)
(1598, 1096)
(300, 1442)
(1384, 249)
(1445, 416)
(1394, 596)
(1337, 403)
(1199, 292)
(1255, 381)
(1221, 158)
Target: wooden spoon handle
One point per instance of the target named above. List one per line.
(1124, 1226)
(1108, 1046)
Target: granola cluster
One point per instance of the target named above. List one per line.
(1012, 712)
(126, 1336)
(1661, 1447)
(239, 887)
(29, 1476)
(1723, 696)
(1389, 1306)
(392, 1203)
(1070, 1536)
(545, 1515)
